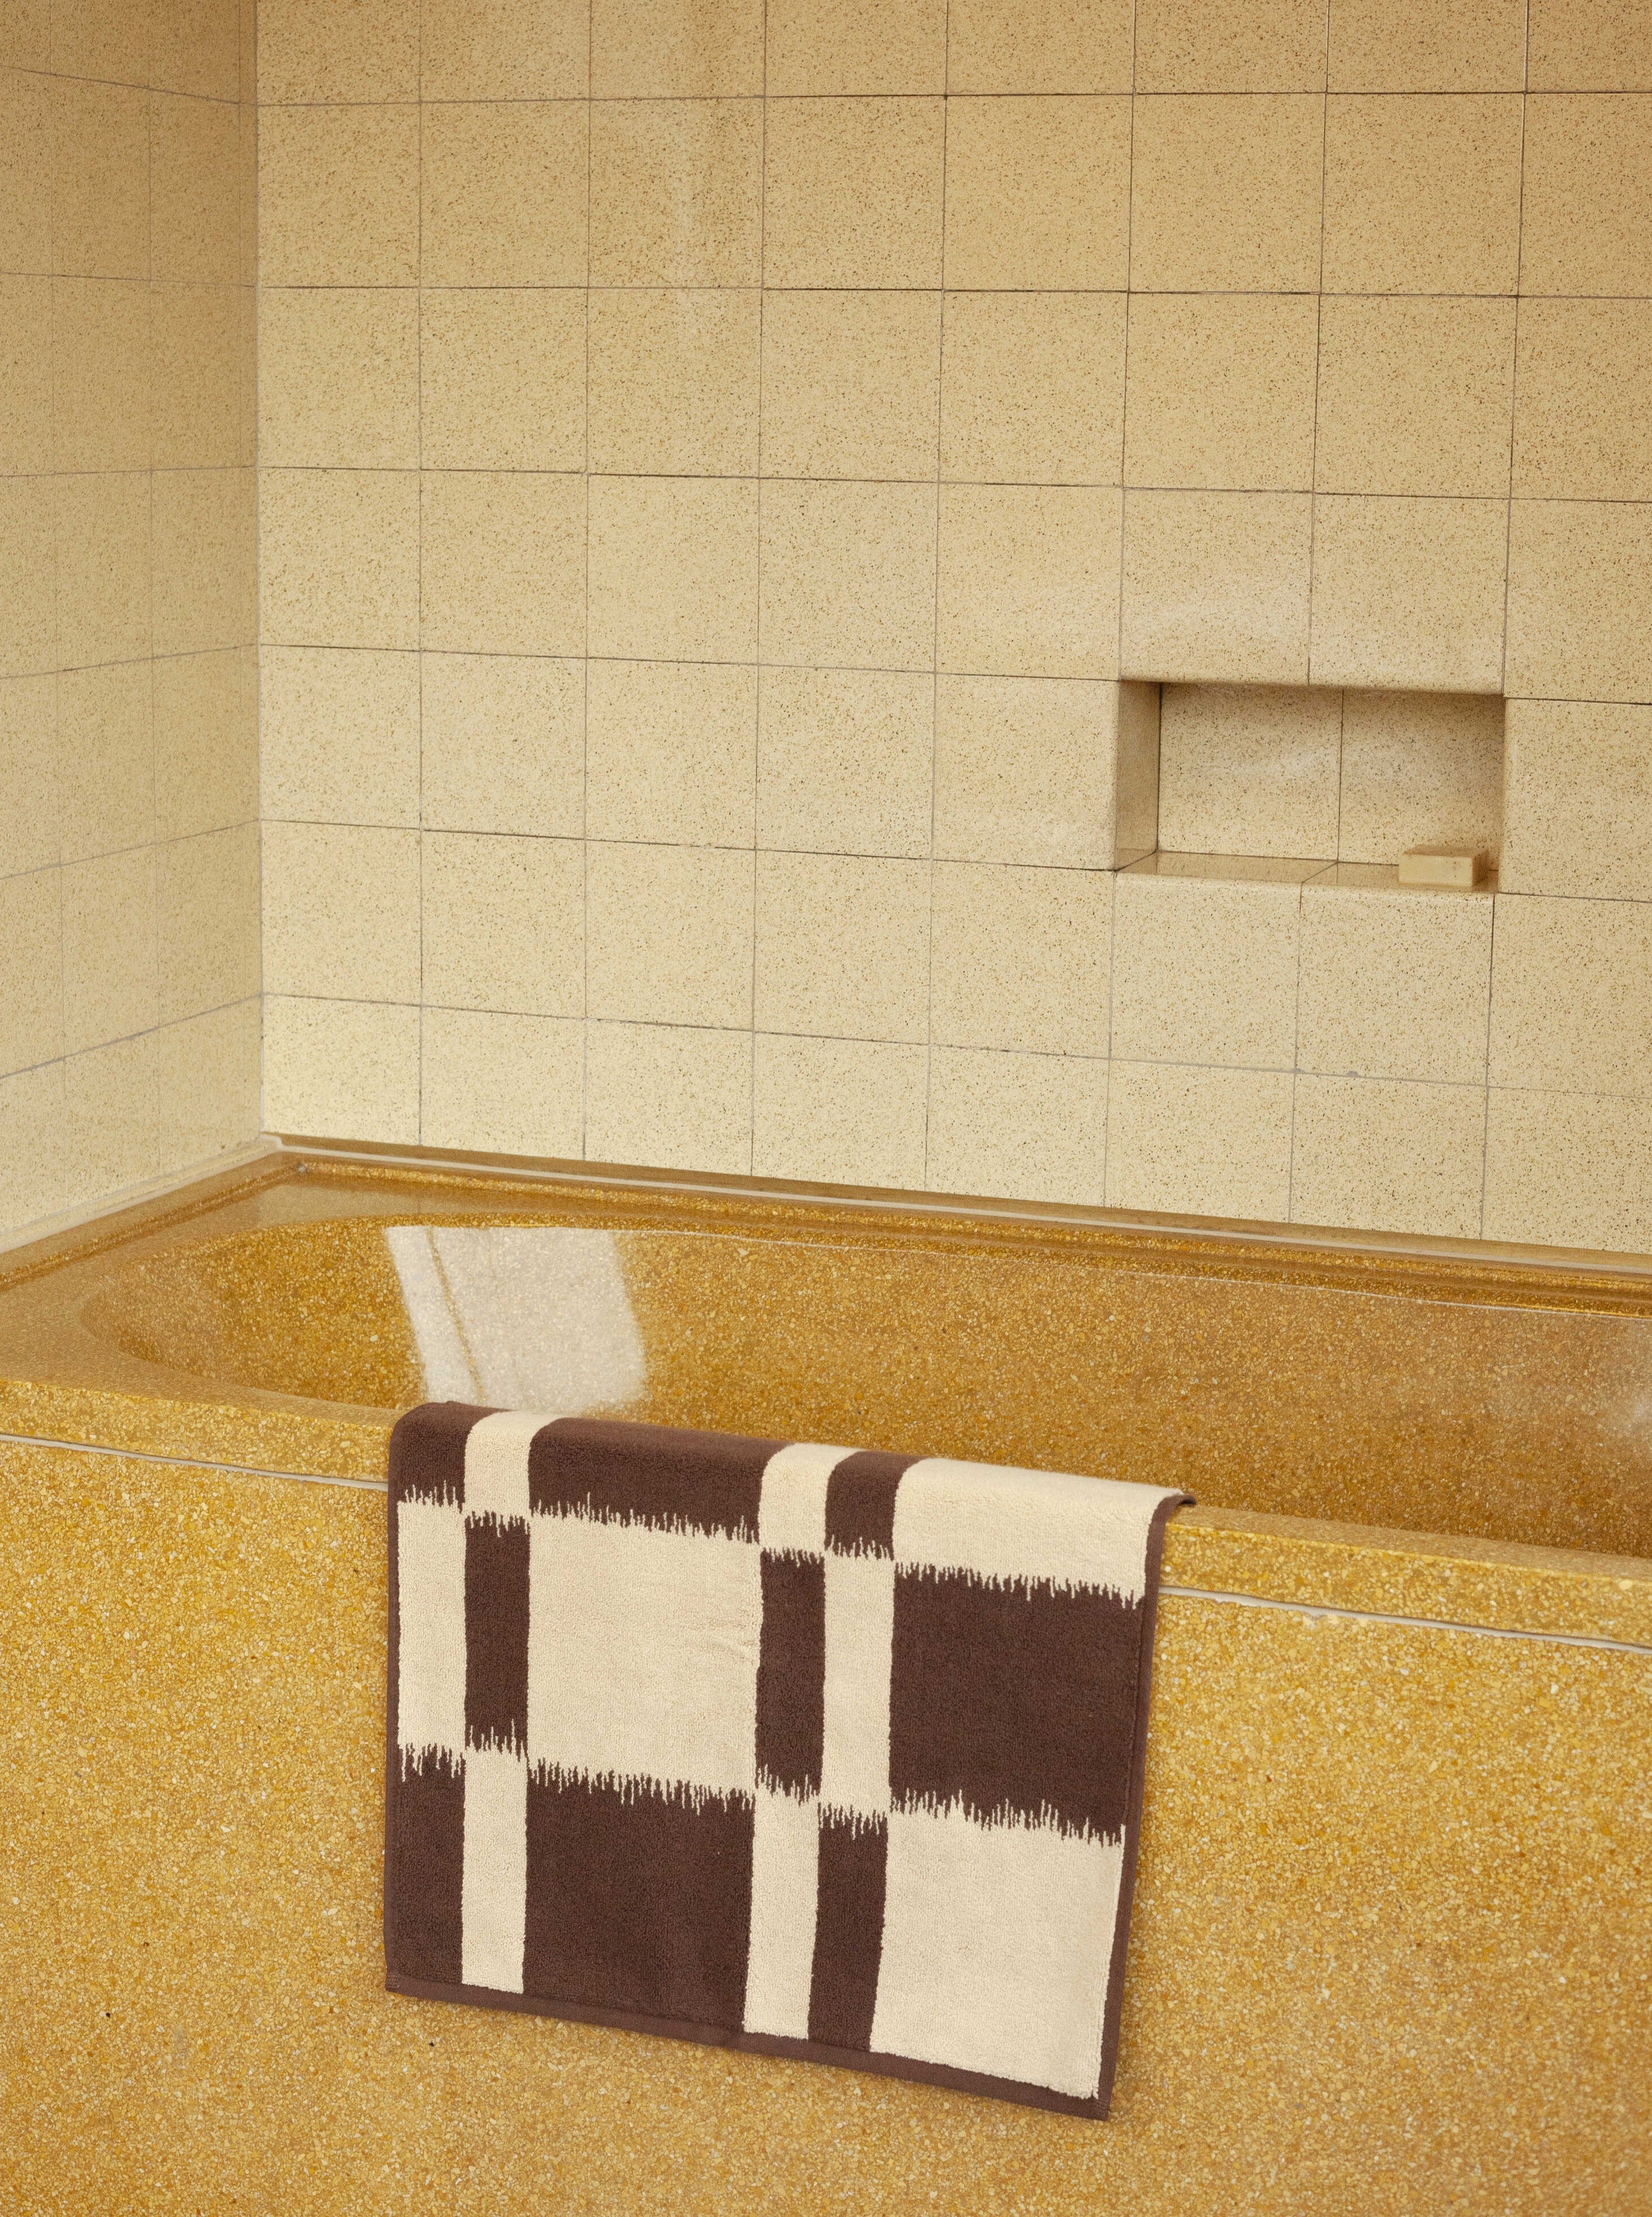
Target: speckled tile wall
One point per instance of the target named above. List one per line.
(128, 720)
(717, 464)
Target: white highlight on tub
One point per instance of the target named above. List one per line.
(519, 1316)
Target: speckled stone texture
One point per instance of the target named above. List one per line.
(1391, 1949)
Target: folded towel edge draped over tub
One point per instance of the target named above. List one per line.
(803, 1751)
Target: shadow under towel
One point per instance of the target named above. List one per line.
(796, 1748)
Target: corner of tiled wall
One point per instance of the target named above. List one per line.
(128, 803)
(716, 465)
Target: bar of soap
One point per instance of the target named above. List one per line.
(1458, 867)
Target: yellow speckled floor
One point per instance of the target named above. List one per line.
(1391, 1955)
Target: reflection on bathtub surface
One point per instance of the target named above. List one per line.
(519, 1319)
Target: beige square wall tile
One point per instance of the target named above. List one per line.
(1385, 1157)
(204, 525)
(206, 1082)
(666, 49)
(839, 1111)
(1428, 46)
(1415, 396)
(1587, 225)
(341, 1070)
(1409, 592)
(203, 341)
(341, 912)
(505, 49)
(1581, 425)
(1204, 970)
(1422, 194)
(856, 46)
(667, 1097)
(843, 946)
(849, 575)
(1023, 770)
(1576, 45)
(338, 735)
(674, 381)
(314, 50)
(1564, 974)
(673, 568)
(28, 772)
(339, 196)
(502, 378)
(504, 923)
(1570, 1170)
(32, 1146)
(1016, 1127)
(28, 574)
(1225, 193)
(1190, 45)
(502, 1084)
(1199, 1142)
(1029, 580)
(97, 159)
(504, 193)
(670, 934)
(339, 382)
(111, 1133)
(1249, 770)
(110, 39)
(109, 962)
(195, 222)
(504, 743)
(31, 969)
(677, 192)
(99, 374)
(103, 566)
(503, 562)
(26, 372)
(106, 759)
(27, 114)
(1394, 985)
(1039, 46)
(1420, 769)
(1037, 194)
(670, 752)
(853, 193)
(206, 741)
(1020, 958)
(850, 384)
(338, 557)
(1222, 391)
(1578, 799)
(1580, 601)
(1216, 587)
(1033, 387)
(206, 914)
(844, 760)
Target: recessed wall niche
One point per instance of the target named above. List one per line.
(1325, 773)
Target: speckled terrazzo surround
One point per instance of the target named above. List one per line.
(1392, 1948)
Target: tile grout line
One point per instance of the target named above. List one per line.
(757, 656)
(584, 664)
(935, 634)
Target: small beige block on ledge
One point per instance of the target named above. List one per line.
(1460, 869)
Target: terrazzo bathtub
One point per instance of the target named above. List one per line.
(1392, 1947)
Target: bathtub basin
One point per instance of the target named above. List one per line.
(1392, 1940)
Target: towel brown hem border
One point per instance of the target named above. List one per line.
(756, 2043)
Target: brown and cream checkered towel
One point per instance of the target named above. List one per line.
(792, 1748)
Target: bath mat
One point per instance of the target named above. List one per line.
(798, 1749)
